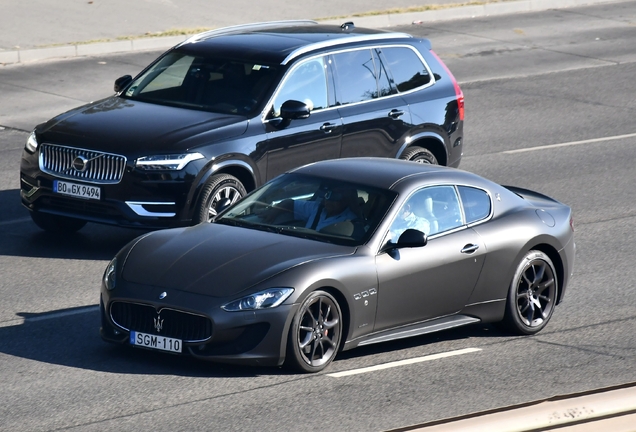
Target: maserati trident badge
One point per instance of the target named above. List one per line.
(158, 323)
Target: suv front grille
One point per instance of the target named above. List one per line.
(174, 324)
(80, 164)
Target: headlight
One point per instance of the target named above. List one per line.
(267, 299)
(109, 275)
(31, 144)
(173, 162)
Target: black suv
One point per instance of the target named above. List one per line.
(227, 110)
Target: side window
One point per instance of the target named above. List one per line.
(306, 83)
(476, 203)
(356, 76)
(441, 204)
(406, 67)
(431, 210)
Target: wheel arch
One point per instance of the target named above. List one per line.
(430, 141)
(554, 256)
(242, 170)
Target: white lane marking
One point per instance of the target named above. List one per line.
(14, 221)
(572, 143)
(47, 316)
(403, 362)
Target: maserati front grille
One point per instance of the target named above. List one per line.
(80, 164)
(165, 322)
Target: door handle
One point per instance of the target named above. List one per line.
(395, 113)
(328, 127)
(469, 248)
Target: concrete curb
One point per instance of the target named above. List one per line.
(611, 409)
(376, 21)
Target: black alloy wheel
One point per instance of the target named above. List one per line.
(420, 155)
(316, 330)
(220, 187)
(532, 295)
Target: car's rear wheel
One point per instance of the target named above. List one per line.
(314, 337)
(420, 155)
(57, 224)
(219, 189)
(532, 295)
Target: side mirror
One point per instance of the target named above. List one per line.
(122, 82)
(412, 238)
(294, 110)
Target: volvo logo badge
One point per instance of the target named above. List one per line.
(158, 323)
(163, 295)
(80, 163)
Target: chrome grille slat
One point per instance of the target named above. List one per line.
(102, 168)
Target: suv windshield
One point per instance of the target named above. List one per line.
(313, 207)
(210, 84)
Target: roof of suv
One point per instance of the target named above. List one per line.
(280, 41)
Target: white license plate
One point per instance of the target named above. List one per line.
(155, 342)
(77, 190)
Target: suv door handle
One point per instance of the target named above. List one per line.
(395, 113)
(470, 248)
(328, 127)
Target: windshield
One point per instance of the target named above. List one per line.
(312, 207)
(211, 84)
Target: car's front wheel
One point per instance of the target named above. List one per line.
(420, 155)
(220, 188)
(532, 295)
(314, 337)
(57, 224)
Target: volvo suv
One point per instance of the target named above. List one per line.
(227, 110)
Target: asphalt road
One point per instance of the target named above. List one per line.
(549, 106)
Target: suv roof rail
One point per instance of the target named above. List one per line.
(344, 40)
(250, 26)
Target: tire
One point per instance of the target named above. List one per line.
(315, 333)
(217, 188)
(57, 224)
(419, 155)
(532, 295)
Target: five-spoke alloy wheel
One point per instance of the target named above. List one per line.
(315, 333)
(532, 295)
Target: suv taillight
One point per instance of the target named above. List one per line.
(458, 91)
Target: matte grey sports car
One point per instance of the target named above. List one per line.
(339, 254)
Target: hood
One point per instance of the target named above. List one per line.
(123, 126)
(219, 260)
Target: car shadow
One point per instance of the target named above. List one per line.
(473, 331)
(19, 236)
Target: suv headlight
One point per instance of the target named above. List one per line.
(270, 298)
(110, 275)
(32, 143)
(172, 162)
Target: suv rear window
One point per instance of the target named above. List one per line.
(406, 67)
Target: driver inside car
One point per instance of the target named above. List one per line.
(334, 206)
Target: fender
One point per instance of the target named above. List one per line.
(424, 135)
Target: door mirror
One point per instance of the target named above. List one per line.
(412, 238)
(294, 110)
(122, 82)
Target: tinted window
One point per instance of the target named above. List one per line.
(476, 203)
(213, 84)
(356, 76)
(406, 67)
(307, 83)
